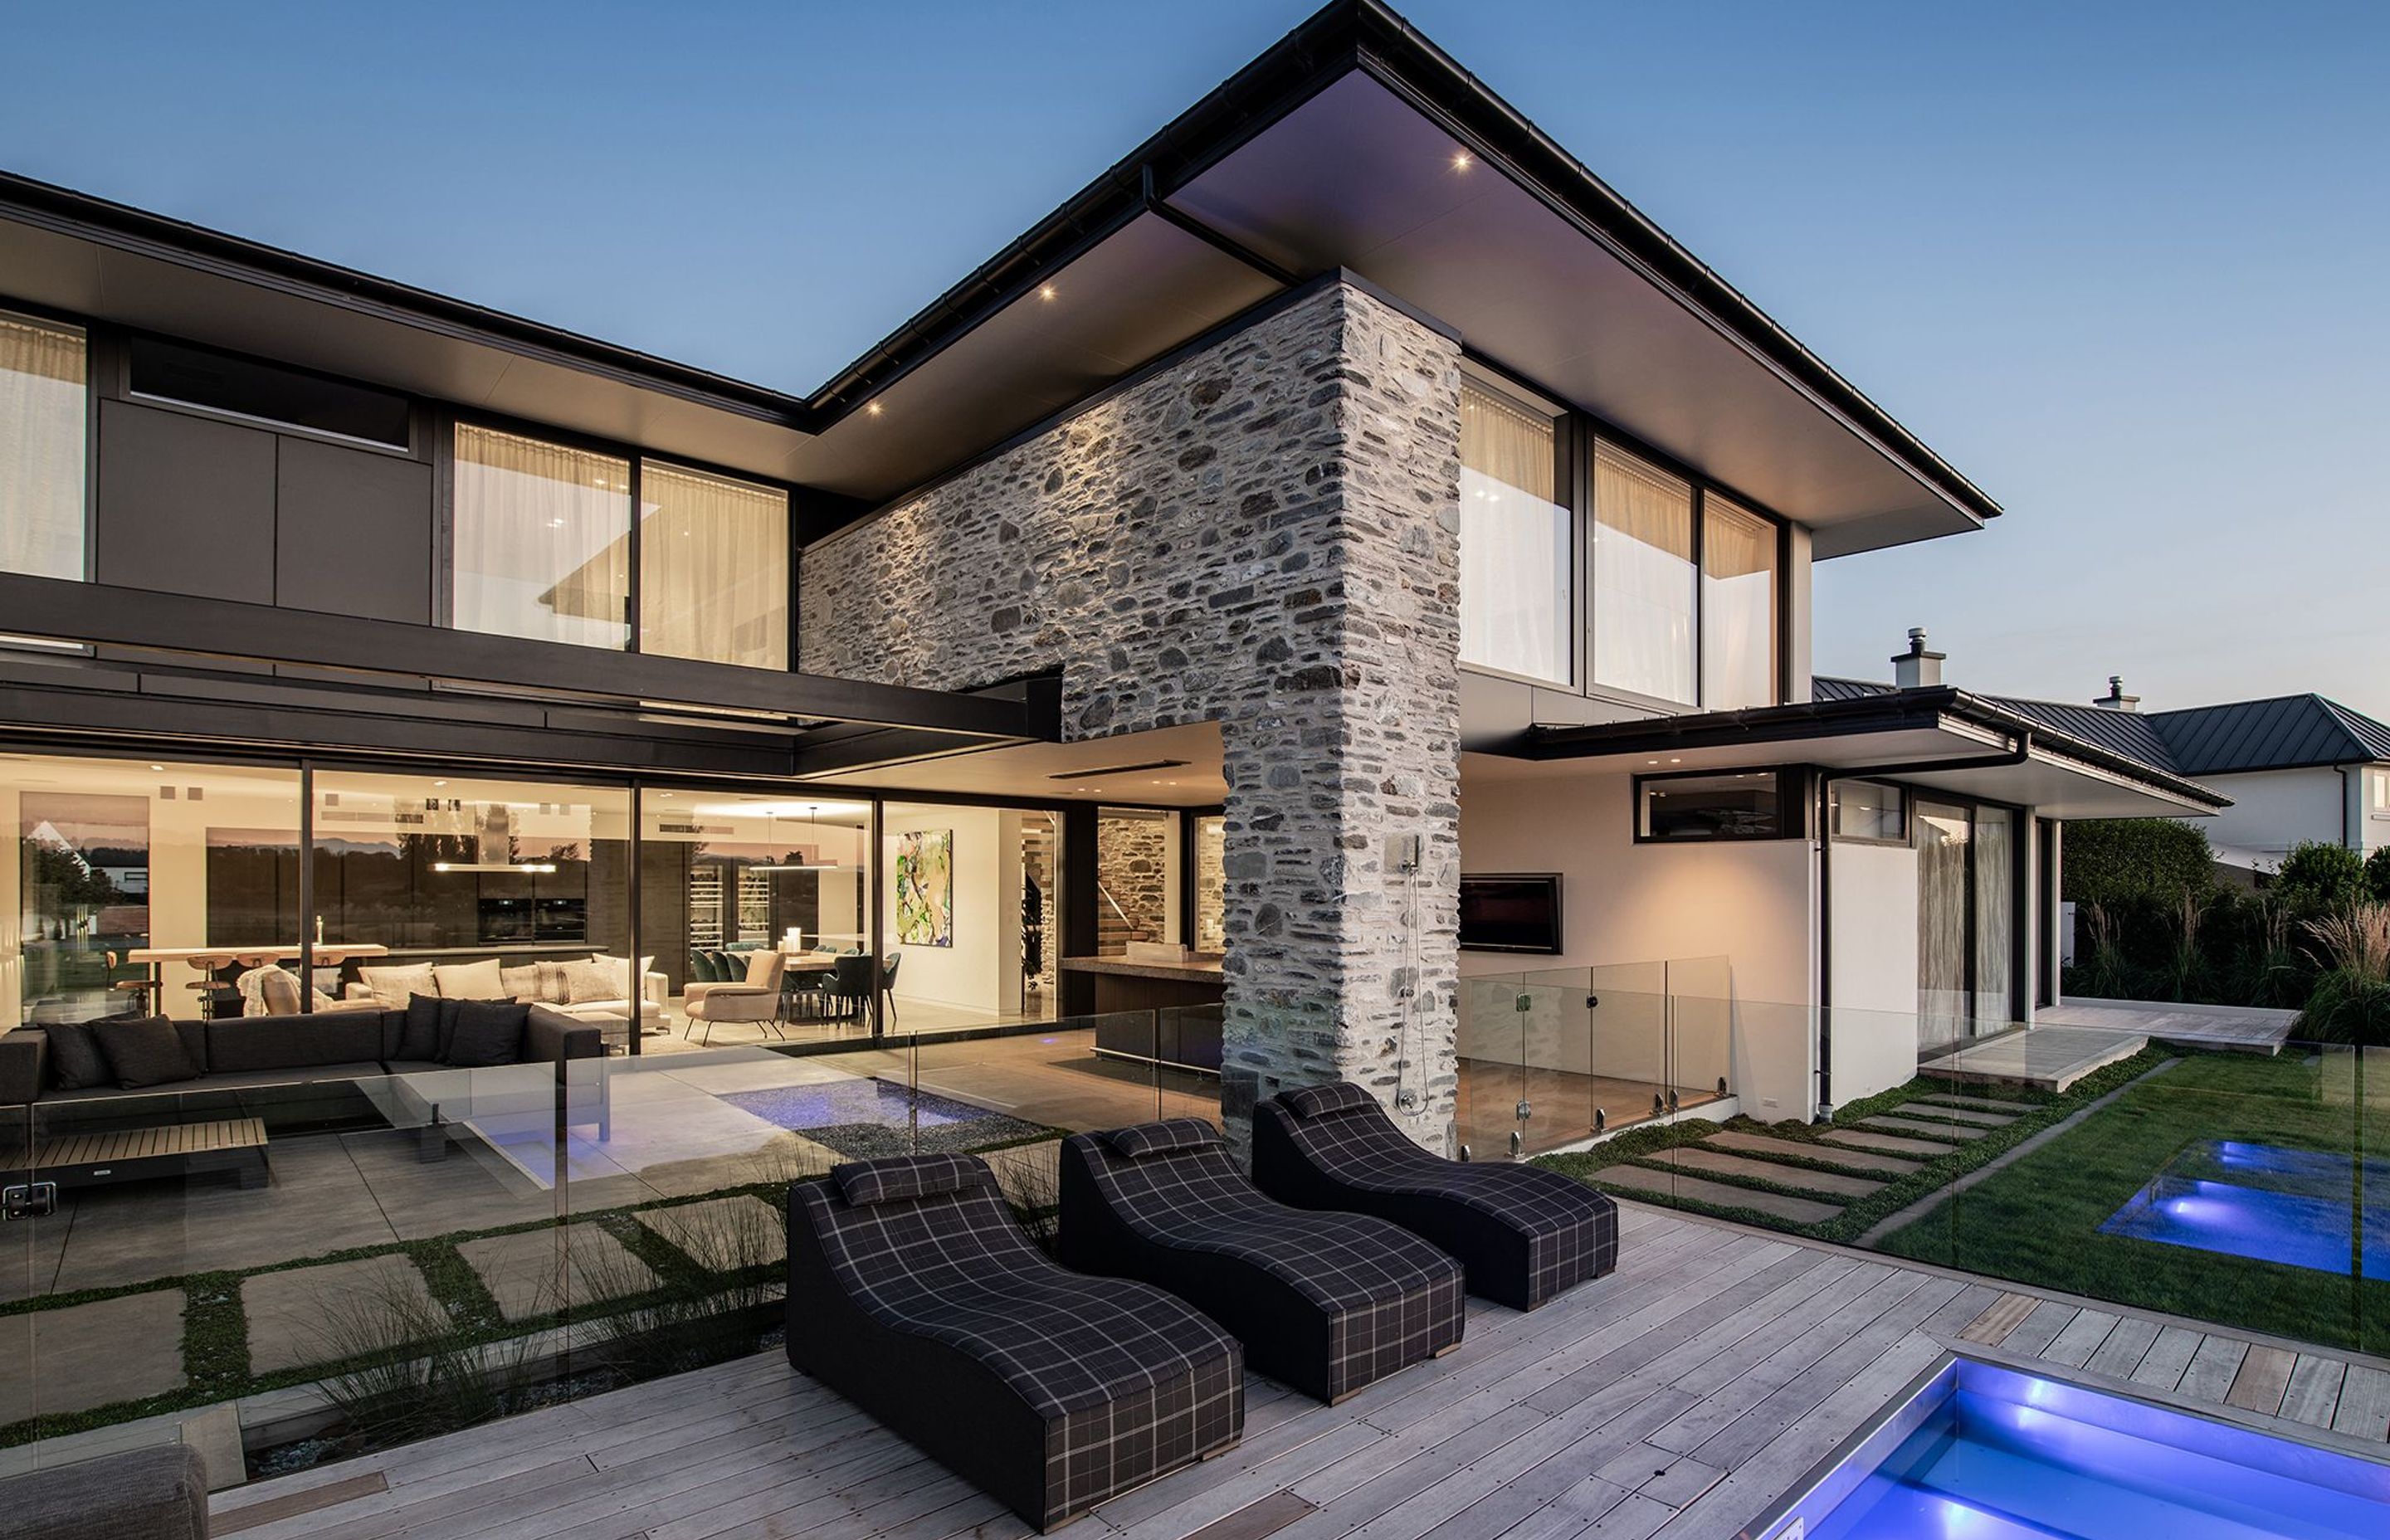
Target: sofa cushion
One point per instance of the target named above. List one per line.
(420, 1036)
(552, 988)
(76, 1063)
(239, 1043)
(521, 982)
(391, 985)
(1323, 1102)
(145, 1051)
(487, 1032)
(585, 981)
(473, 980)
(296, 1074)
(1161, 1138)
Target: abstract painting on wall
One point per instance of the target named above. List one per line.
(925, 887)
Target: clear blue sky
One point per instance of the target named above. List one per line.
(2125, 264)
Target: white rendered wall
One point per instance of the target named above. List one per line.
(2274, 810)
(971, 972)
(1624, 903)
(1873, 894)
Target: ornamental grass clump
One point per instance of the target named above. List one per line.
(2351, 1001)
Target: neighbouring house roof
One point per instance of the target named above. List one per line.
(2283, 732)
(1353, 146)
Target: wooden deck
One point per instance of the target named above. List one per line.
(1675, 1398)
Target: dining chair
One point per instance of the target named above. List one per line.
(850, 986)
(888, 981)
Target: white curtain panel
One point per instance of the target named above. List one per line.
(542, 540)
(1514, 541)
(714, 568)
(42, 409)
(1942, 1009)
(1643, 578)
(1738, 607)
(1995, 918)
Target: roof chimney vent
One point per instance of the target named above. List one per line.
(1917, 669)
(2117, 699)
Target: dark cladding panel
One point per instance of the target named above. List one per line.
(186, 505)
(354, 532)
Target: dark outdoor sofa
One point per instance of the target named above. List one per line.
(290, 1074)
(914, 1294)
(1523, 1232)
(1324, 1302)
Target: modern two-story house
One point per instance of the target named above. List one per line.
(1345, 496)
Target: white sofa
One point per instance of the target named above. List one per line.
(472, 981)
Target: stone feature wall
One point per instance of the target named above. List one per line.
(1263, 534)
(1131, 857)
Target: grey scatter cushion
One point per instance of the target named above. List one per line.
(145, 1051)
(487, 1033)
(587, 982)
(419, 1038)
(76, 1061)
(551, 989)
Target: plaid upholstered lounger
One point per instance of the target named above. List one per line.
(1523, 1232)
(912, 1294)
(1325, 1302)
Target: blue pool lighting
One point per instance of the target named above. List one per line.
(2267, 1202)
(1977, 1451)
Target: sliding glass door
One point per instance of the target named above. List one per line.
(1966, 921)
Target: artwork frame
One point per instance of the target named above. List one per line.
(925, 887)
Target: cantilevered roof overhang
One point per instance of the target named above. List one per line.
(1353, 144)
(1941, 738)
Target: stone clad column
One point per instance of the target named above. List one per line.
(1343, 770)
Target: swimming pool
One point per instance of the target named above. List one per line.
(1988, 1453)
(2268, 1202)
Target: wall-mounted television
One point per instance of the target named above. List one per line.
(1510, 912)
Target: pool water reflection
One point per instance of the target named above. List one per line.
(2302, 1208)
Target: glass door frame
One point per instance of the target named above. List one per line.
(2024, 861)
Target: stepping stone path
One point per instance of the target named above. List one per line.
(85, 1355)
(1797, 1211)
(722, 1235)
(529, 1274)
(313, 1314)
(1880, 1151)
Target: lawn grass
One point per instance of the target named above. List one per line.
(2038, 1220)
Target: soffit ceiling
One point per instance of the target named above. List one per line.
(1358, 178)
(1031, 770)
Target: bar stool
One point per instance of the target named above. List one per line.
(140, 988)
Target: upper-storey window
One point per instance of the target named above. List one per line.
(1643, 577)
(1516, 564)
(1739, 599)
(540, 536)
(266, 392)
(714, 568)
(43, 413)
(543, 543)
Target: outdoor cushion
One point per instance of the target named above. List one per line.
(1320, 1101)
(145, 1051)
(76, 1063)
(941, 1318)
(487, 1033)
(864, 1182)
(473, 980)
(296, 1074)
(1156, 1138)
(1523, 1232)
(157, 1492)
(1325, 1302)
(420, 1037)
(391, 985)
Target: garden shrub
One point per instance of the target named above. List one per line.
(2114, 862)
(2377, 875)
(2317, 879)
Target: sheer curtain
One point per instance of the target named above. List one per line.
(714, 568)
(1738, 606)
(1514, 541)
(1643, 579)
(1942, 1008)
(42, 409)
(1995, 918)
(542, 540)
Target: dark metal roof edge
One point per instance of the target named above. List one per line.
(1891, 711)
(86, 216)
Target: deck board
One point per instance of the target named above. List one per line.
(1676, 1399)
